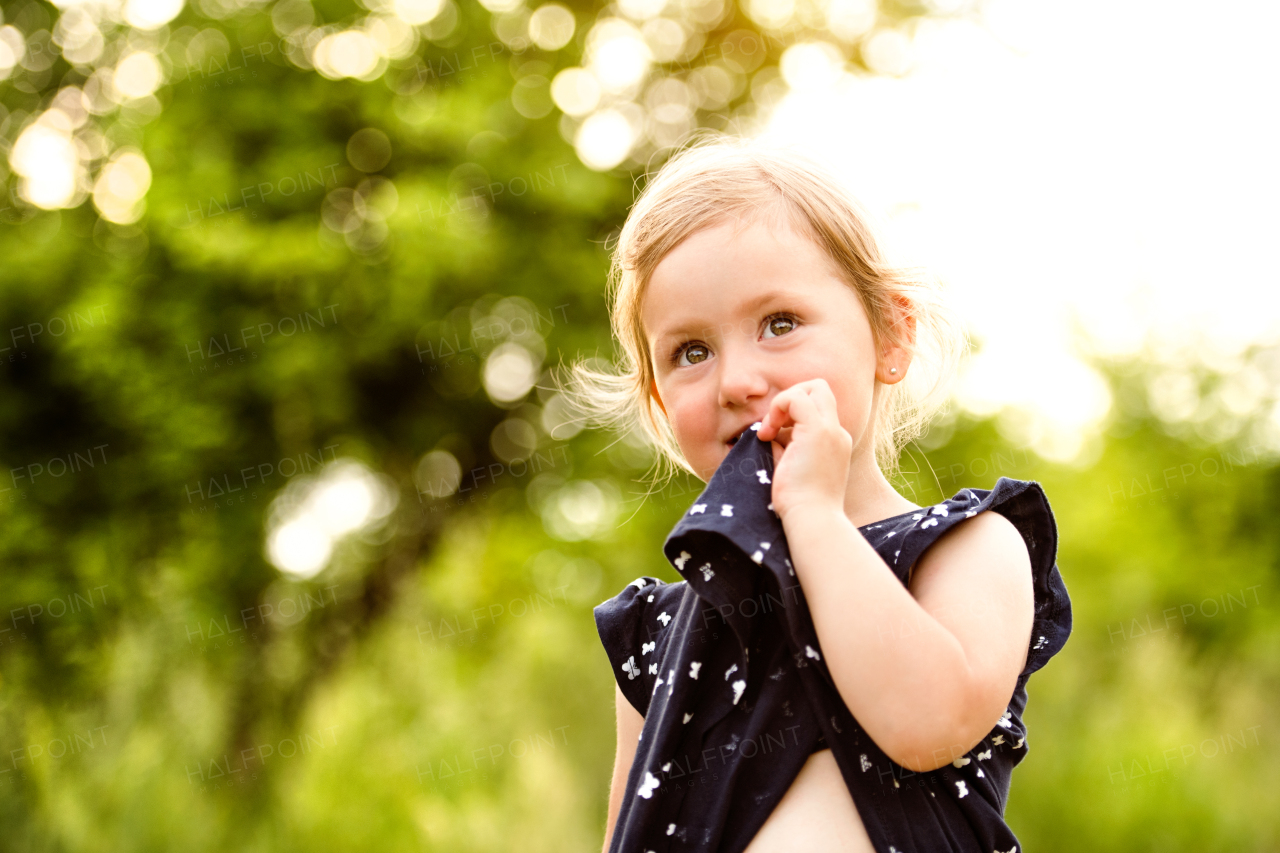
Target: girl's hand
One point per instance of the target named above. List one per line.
(811, 463)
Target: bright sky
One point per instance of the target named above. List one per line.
(1115, 162)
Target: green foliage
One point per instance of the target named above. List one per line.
(441, 685)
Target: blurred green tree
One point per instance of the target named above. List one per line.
(301, 546)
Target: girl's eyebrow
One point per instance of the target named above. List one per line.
(747, 307)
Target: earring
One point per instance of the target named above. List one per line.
(893, 370)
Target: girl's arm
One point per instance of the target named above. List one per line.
(927, 672)
(629, 725)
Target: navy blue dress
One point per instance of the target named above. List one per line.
(726, 668)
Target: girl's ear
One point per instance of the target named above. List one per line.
(905, 315)
(904, 320)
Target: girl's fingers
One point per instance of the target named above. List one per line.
(783, 438)
(804, 402)
(823, 401)
(819, 393)
(777, 416)
(803, 407)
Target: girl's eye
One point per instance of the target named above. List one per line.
(784, 321)
(787, 322)
(686, 348)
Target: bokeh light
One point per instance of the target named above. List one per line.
(418, 11)
(369, 149)
(46, 157)
(138, 75)
(771, 14)
(551, 26)
(576, 91)
(510, 372)
(437, 474)
(315, 512)
(617, 54)
(604, 140)
(501, 5)
(850, 20)
(581, 509)
(122, 185)
(349, 53)
(811, 66)
(532, 96)
(559, 420)
(513, 440)
(887, 51)
(151, 14)
(642, 10)
(13, 49)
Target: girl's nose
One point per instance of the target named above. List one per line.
(742, 378)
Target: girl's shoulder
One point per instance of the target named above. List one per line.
(901, 540)
(1022, 502)
(632, 625)
(1025, 504)
(642, 593)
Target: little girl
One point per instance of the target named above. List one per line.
(840, 669)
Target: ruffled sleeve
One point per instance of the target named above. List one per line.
(623, 630)
(1024, 503)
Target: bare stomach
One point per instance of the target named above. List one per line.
(816, 815)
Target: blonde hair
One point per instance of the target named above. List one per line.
(718, 178)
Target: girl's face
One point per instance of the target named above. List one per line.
(733, 320)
